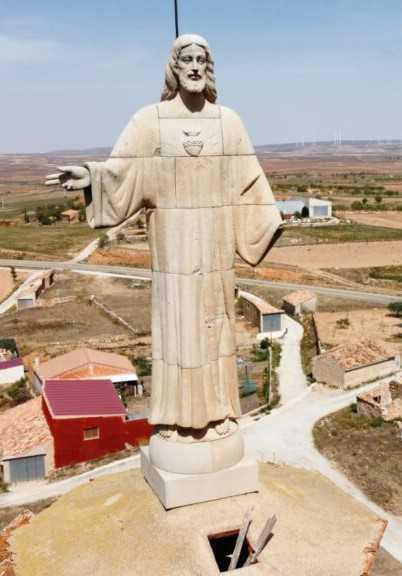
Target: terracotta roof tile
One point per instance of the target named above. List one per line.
(299, 297)
(23, 429)
(84, 359)
(357, 353)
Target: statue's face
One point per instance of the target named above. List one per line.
(191, 68)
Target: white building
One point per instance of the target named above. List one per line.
(317, 208)
(11, 371)
(268, 319)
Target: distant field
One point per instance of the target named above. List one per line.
(381, 219)
(328, 255)
(341, 233)
(56, 241)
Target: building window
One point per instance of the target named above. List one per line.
(91, 433)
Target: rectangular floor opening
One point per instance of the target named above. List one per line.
(223, 545)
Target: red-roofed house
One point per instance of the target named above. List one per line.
(88, 420)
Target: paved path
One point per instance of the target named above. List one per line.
(292, 380)
(35, 491)
(285, 436)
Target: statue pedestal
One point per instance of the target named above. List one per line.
(175, 490)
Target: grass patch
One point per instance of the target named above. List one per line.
(57, 240)
(342, 233)
(274, 395)
(393, 273)
(368, 451)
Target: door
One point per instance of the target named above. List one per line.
(27, 468)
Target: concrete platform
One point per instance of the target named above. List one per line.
(175, 490)
(116, 525)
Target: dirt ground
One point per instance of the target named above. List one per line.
(347, 255)
(7, 283)
(386, 219)
(376, 323)
(116, 511)
(357, 444)
(57, 328)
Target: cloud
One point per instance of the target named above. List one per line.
(26, 50)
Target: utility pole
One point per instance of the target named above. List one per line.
(176, 18)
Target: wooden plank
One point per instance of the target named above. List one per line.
(240, 539)
(262, 540)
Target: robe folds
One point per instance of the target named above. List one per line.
(206, 199)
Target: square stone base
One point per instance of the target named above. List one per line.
(175, 490)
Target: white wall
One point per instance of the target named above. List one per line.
(11, 375)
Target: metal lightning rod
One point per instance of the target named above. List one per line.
(176, 18)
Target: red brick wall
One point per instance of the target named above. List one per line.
(71, 448)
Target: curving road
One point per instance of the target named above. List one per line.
(285, 436)
(145, 274)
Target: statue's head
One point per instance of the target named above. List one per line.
(190, 66)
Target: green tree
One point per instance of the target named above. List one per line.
(395, 308)
(143, 365)
(378, 199)
(14, 274)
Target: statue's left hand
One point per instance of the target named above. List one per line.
(70, 177)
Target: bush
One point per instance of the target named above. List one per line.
(357, 206)
(343, 323)
(18, 392)
(395, 308)
(103, 241)
(143, 365)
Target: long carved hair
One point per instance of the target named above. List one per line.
(171, 82)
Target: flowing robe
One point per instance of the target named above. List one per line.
(206, 199)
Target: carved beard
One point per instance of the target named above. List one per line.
(195, 86)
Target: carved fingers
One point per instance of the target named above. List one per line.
(70, 177)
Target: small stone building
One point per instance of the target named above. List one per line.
(26, 444)
(383, 401)
(28, 297)
(268, 319)
(354, 363)
(299, 302)
(70, 216)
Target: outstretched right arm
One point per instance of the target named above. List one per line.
(70, 177)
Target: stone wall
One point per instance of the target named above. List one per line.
(326, 370)
(383, 401)
(354, 378)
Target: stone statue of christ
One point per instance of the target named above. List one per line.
(189, 162)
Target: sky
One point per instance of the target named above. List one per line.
(72, 73)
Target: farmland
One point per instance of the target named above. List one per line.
(58, 241)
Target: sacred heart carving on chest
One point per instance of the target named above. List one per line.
(192, 143)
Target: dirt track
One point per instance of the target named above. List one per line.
(347, 255)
